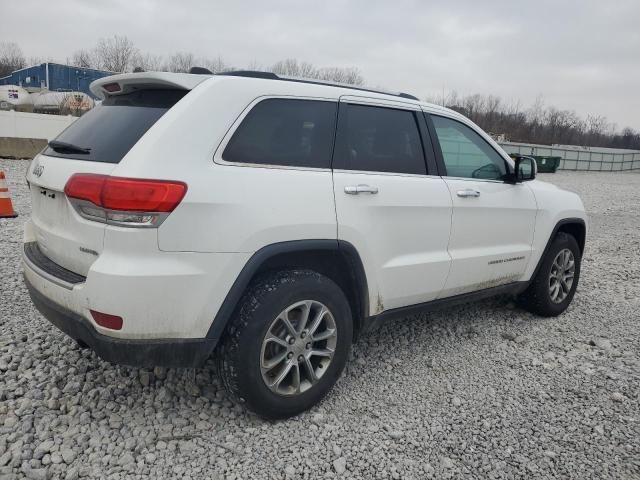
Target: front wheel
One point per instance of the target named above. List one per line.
(554, 286)
(288, 343)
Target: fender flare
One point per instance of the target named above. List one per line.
(554, 232)
(235, 293)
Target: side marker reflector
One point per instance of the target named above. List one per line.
(112, 322)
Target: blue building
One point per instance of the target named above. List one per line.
(54, 77)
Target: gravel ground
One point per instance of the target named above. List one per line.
(479, 391)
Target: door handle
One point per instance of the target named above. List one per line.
(468, 192)
(356, 189)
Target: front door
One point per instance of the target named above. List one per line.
(493, 221)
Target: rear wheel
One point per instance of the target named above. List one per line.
(287, 344)
(554, 286)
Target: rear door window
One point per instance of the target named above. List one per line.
(287, 132)
(378, 139)
(107, 132)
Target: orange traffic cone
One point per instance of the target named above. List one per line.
(6, 208)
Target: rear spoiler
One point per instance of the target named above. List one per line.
(128, 82)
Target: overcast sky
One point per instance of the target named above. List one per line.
(578, 55)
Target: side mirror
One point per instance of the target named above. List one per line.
(525, 169)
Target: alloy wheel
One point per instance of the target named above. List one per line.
(298, 348)
(561, 275)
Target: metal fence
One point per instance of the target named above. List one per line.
(581, 158)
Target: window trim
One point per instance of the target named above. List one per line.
(428, 155)
(428, 146)
(380, 102)
(442, 168)
(219, 150)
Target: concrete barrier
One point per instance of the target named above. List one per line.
(23, 135)
(11, 147)
(32, 125)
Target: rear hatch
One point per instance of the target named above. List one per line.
(95, 143)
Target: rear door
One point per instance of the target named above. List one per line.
(493, 221)
(389, 205)
(95, 143)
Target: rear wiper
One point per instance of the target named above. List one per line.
(64, 147)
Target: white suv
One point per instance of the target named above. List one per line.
(273, 220)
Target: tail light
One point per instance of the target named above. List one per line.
(128, 202)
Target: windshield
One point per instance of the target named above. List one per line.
(107, 132)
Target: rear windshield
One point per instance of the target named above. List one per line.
(108, 131)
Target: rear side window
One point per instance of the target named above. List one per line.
(108, 132)
(285, 132)
(378, 139)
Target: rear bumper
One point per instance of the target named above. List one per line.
(177, 352)
(159, 295)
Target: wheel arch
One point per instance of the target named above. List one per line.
(576, 227)
(336, 259)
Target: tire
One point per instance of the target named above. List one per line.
(243, 351)
(538, 298)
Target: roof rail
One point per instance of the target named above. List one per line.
(273, 76)
(200, 71)
(252, 74)
(408, 95)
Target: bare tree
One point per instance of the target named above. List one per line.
(294, 68)
(597, 127)
(492, 112)
(116, 54)
(348, 75)
(473, 107)
(216, 65)
(85, 59)
(536, 112)
(256, 65)
(147, 62)
(11, 58)
(180, 62)
(39, 60)
(538, 124)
